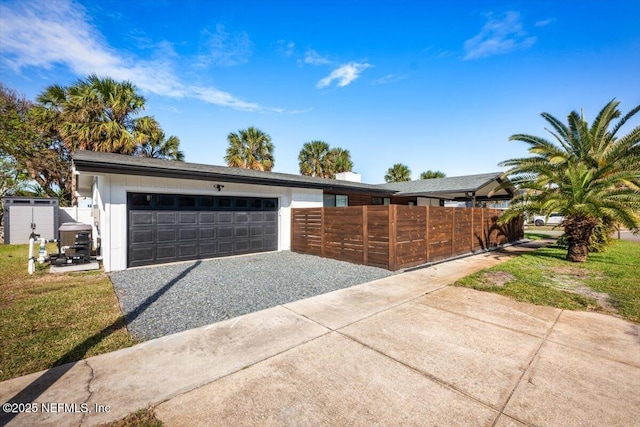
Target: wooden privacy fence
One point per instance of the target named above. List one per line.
(398, 236)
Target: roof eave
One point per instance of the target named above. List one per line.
(84, 165)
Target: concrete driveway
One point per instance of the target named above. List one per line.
(403, 350)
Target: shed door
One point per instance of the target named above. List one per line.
(167, 228)
(21, 218)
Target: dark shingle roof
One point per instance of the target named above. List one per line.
(454, 184)
(91, 161)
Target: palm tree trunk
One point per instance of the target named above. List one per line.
(578, 230)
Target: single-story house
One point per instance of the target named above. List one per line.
(151, 211)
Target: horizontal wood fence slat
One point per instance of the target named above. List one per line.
(398, 236)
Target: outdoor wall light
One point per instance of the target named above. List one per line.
(218, 187)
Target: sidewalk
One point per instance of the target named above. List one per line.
(406, 349)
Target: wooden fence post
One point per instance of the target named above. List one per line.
(453, 232)
(471, 232)
(322, 231)
(392, 237)
(427, 234)
(365, 236)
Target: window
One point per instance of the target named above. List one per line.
(329, 200)
(141, 200)
(241, 203)
(335, 200)
(206, 202)
(342, 200)
(166, 201)
(270, 204)
(224, 202)
(381, 201)
(187, 201)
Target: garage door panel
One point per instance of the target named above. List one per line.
(207, 226)
(166, 235)
(208, 249)
(188, 251)
(143, 255)
(241, 246)
(140, 218)
(142, 236)
(241, 231)
(257, 244)
(225, 248)
(188, 234)
(207, 217)
(166, 218)
(187, 218)
(207, 233)
(240, 217)
(271, 230)
(166, 252)
(225, 232)
(225, 217)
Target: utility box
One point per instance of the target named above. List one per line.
(22, 215)
(70, 230)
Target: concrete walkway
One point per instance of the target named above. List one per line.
(404, 350)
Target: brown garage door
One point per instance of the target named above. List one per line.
(172, 227)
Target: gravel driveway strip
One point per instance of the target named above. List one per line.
(162, 300)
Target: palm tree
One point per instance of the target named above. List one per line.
(587, 173)
(161, 147)
(98, 114)
(317, 159)
(342, 160)
(250, 149)
(398, 173)
(432, 174)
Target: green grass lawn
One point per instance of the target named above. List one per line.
(51, 319)
(607, 282)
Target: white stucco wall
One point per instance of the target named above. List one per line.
(110, 196)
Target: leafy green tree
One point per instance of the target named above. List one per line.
(587, 173)
(27, 154)
(398, 173)
(317, 159)
(250, 148)
(432, 174)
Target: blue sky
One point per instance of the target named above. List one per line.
(433, 85)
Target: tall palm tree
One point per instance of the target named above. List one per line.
(587, 173)
(317, 159)
(432, 174)
(342, 160)
(398, 173)
(250, 149)
(99, 114)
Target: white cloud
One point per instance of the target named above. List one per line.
(389, 78)
(285, 48)
(314, 58)
(345, 74)
(544, 22)
(499, 36)
(225, 49)
(45, 34)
